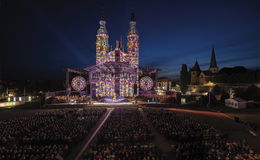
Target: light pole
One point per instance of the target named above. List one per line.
(209, 95)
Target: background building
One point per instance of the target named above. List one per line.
(236, 103)
(199, 77)
(164, 83)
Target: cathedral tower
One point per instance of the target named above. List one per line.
(133, 42)
(213, 68)
(102, 45)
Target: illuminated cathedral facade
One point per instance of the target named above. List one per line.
(116, 71)
(130, 56)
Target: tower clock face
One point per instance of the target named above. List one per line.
(78, 83)
(146, 83)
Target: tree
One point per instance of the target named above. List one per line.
(253, 93)
(184, 79)
(240, 92)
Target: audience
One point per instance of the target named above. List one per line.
(46, 135)
(193, 140)
(124, 136)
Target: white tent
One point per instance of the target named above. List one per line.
(236, 103)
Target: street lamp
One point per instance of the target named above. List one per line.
(210, 89)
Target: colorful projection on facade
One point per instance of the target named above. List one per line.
(133, 44)
(118, 79)
(102, 45)
(126, 85)
(116, 72)
(115, 82)
(105, 85)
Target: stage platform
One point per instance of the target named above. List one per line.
(109, 104)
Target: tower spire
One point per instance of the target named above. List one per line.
(213, 62)
(102, 28)
(133, 18)
(132, 23)
(196, 66)
(133, 42)
(195, 72)
(102, 16)
(102, 46)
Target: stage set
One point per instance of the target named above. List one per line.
(116, 77)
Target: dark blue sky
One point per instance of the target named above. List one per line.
(40, 38)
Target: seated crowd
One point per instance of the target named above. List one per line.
(192, 140)
(124, 136)
(46, 135)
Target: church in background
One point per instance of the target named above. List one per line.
(199, 77)
(201, 82)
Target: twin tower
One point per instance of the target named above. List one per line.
(105, 54)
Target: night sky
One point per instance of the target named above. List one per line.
(40, 38)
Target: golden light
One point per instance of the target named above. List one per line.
(205, 93)
(10, 95)
(210, 84)
(160, 92)
(194, 89)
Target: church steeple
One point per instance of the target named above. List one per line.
(213, 62)
(132, 23)
(133, 18)
(102, 26)
(196, 67)
(102, 45)
(133, 42)
(195, 72)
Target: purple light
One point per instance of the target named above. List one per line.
(113, 100)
